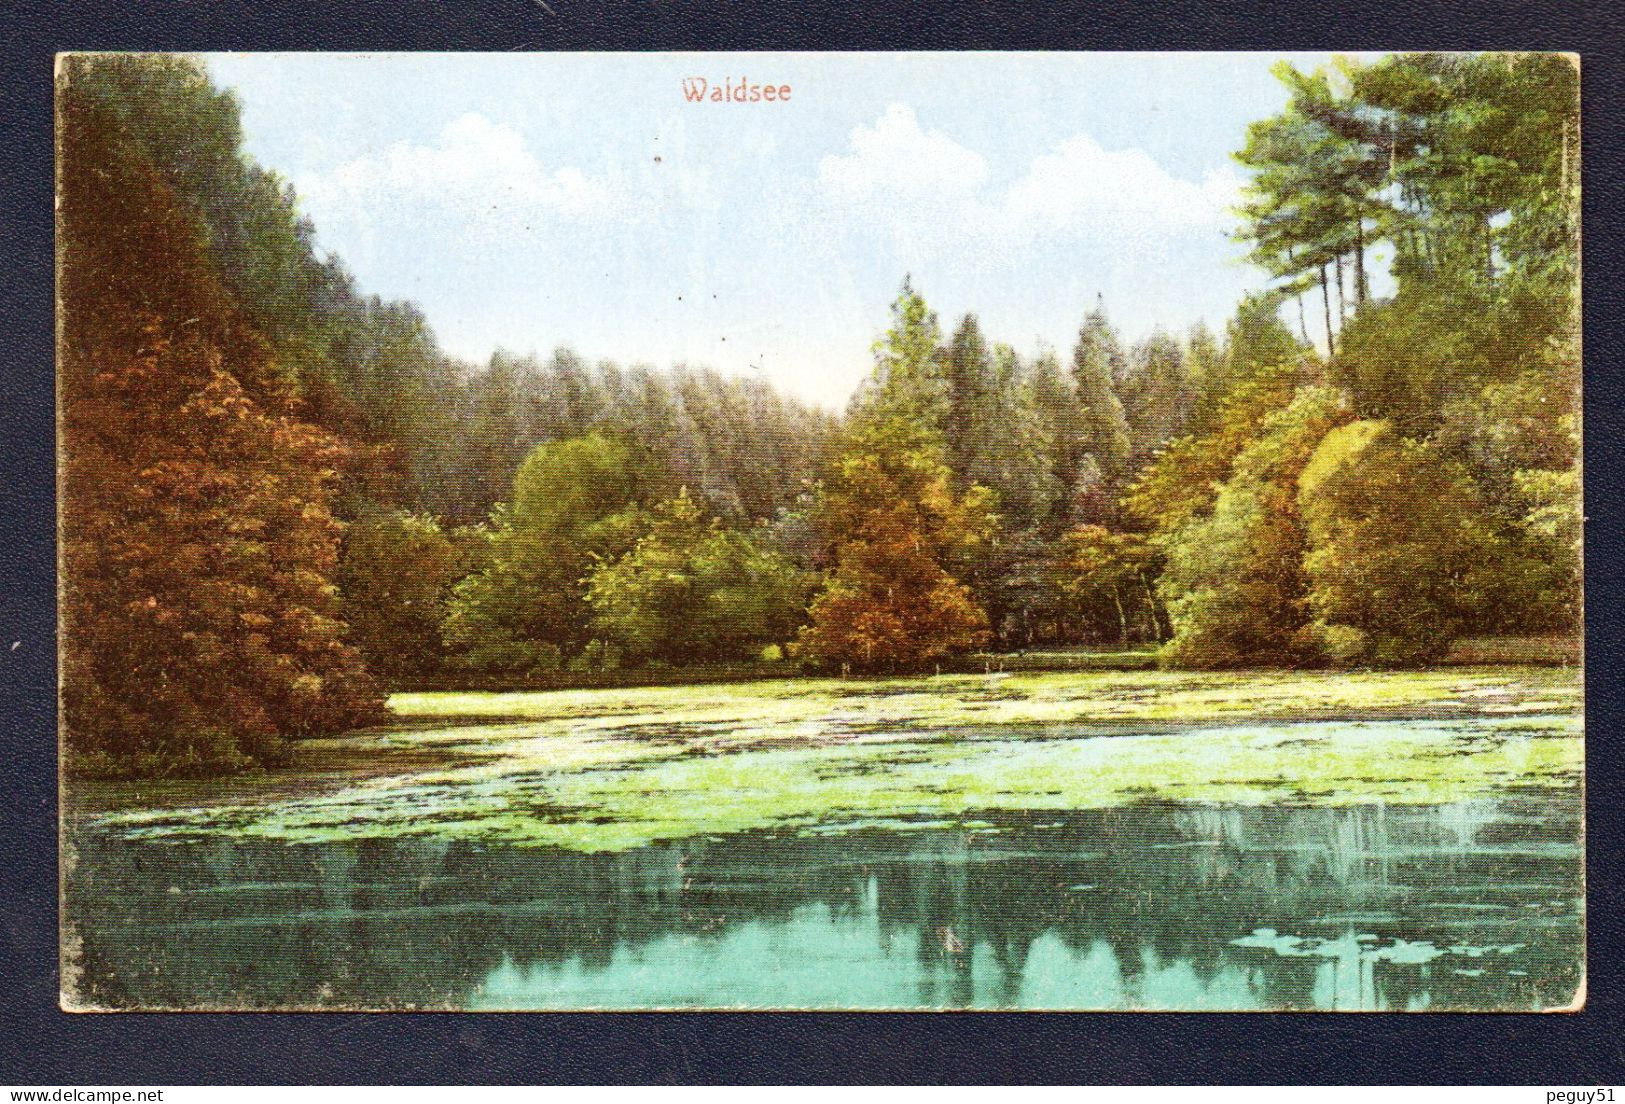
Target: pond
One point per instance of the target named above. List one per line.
(1359, 897)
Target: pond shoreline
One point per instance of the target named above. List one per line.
(381, 752)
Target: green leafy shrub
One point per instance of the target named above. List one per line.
(1401, 549)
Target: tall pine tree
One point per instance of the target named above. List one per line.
(1100, 430)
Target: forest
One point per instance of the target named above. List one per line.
(280, 498)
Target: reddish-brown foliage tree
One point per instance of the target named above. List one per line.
(198, 617)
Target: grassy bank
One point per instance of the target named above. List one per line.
(1124, 658)
(1539, 651)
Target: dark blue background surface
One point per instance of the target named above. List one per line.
(42, 1046)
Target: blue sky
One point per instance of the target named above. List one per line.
(528, 201)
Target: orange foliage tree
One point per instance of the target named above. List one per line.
(896, 526)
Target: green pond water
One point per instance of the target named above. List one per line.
(1402, 864)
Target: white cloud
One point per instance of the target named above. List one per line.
(896, 158)
(934, 195)
(1081, 184)
(477, 168)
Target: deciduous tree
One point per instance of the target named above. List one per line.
(694, 590)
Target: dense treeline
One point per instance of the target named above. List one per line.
(428, 433)
(1446, 498)
(278, 489)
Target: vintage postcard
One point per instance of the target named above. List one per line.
(820, 531)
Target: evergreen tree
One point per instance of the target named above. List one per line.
(1206, 368)
(1157, 394)
(1021, 444)
(968, 369)
(908, 384)
(1100, 428)
(1054, 404)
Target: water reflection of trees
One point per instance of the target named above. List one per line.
(1136, 906)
